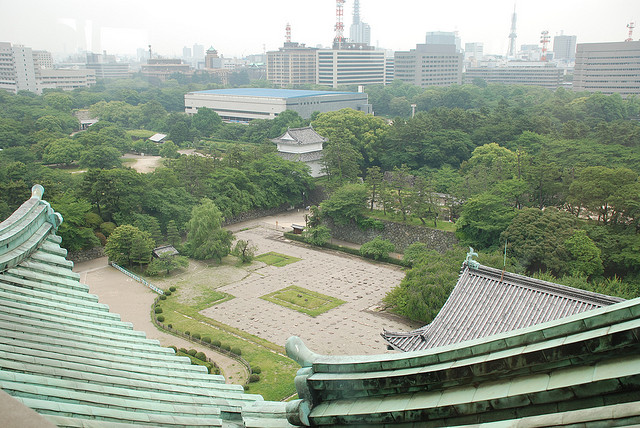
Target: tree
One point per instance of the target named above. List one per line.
(377, 248)
(206, 238)
(101, 157)
(173, 235)
(166, 263)
(62, 151)
(128, 244)
(169, 150)
(483, 219)
(346, 204)
(583, 255)
(423, 202)
(244, 251)
(74, 231)
(206, 121)
(318, 235)
(535, 238)
(374, 181)
(341, 160)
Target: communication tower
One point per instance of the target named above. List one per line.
(630, 26)
(511, 53)
(544, 39)
(288, 35)
(339, 39)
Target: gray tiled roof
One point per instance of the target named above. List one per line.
(485, 302)
(302, 136)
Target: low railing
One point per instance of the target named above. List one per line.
(137, 278)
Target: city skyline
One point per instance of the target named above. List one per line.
(248, 26)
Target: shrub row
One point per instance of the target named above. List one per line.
(349, 250)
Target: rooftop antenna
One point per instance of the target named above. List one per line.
(630, 26)
(339, 27)
(511, 53)
(149, 51)
(356, 12)
(287, 38)
(544, 39)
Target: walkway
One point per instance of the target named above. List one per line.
(133, 301)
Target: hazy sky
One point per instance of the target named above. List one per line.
(242, 27)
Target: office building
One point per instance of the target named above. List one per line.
(429, 65)
(564, 48)
(353, 64)
(443, 38)
(608, 68)
(292, 64)
(246, 104)
(163, 68)
(212, 60)
(65, 79)
(473, 51)
(22, 69)
(527, 73)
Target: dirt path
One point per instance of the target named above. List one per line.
(133, 301)
(144, 164)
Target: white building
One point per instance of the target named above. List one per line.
(17, 72)
(608, 68)
(564, 48)
(355, 64)
(429, 65)
(302, 145)
(246, 104)
(65, 79)
(531, 73)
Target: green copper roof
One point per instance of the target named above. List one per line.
(66, 356)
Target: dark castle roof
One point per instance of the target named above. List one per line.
(300, 136)
(487, 301)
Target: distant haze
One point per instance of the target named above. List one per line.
(243, 27)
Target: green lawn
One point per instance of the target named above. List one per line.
(303, 300)
(276, 259)
(278, 371)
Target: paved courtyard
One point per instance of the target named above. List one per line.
(352, 328)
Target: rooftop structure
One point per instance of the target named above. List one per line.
(302, 145)
(500, 302)
(609, 68)
(245, 104)
(67, 357)
(360, 32)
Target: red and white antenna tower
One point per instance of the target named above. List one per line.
(544, 39)
(630, 26)
(339, 23)
(288, 36)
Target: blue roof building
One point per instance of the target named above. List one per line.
(246, 104)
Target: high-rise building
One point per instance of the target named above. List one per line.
(389, 69)
(42, 60)
(292, 64)
(444, 38)
(23, 69)
(212, 60)
(429, 65)
(564, 48)
(474, 50)
(532, 73)
(608, 68)
(198, 55)
(360, 32)
(353, 64)
(186, 53)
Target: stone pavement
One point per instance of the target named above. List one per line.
(352, 328)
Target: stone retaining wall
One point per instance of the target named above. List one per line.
(86, 255)
(401, 235)
(254, 214)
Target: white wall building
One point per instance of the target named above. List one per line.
(246, 104)
(302, 145)
(358, 66)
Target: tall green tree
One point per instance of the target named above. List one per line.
(206, 239)
(128, 244)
